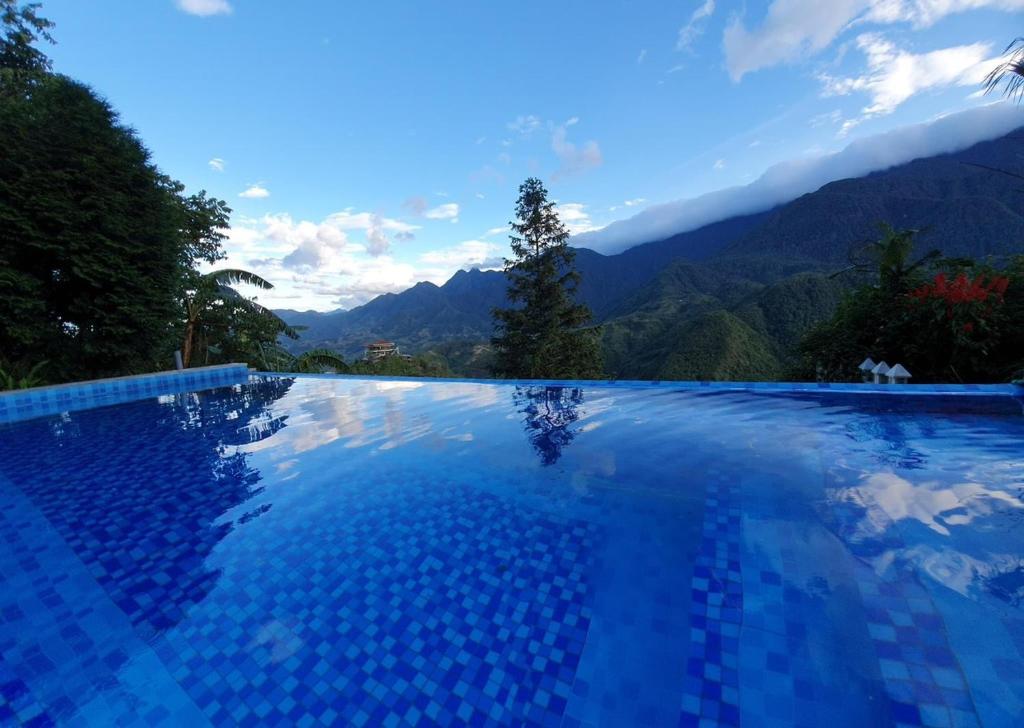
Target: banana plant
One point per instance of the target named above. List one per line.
(211, 294)
(275, 358)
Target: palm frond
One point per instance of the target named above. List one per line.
(1009, 73)
(232, 276)
(230, 294)
(320, 358)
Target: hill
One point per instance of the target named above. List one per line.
(730, 299)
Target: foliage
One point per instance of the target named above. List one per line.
(720, 347)
(471, 359)
(20, 377)
(951, 320)
(542, 336)
(222, 325)
(20, 62)
(425, 365)
(99, 248)
(90, 255)
(1010, 73)
(274, 358)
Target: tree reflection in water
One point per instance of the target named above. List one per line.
(139, 491)
(549, 415)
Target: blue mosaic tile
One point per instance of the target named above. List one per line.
(332, 551)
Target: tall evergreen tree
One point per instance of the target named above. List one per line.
(542, 335)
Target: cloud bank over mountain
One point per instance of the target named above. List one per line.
(786, 181)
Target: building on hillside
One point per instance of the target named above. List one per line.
(377, 350)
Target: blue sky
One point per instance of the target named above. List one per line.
(366, 146)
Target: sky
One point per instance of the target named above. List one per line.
(364, 147)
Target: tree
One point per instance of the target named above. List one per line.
(542, 336)
(98, 246)
(20, 61)
(221, 321)
(91, 250)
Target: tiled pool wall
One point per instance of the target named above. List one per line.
(24, 404)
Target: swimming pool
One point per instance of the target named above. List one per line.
(321, 550)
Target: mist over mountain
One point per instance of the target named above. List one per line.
(788, 180)
(729, 299)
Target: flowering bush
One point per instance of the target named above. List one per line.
(971, 307)
(945, 320)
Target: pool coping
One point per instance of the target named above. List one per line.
(24, 404)
(695, 385)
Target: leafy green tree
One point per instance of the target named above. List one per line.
(221, 322)
(20, 60)
(98, 246)
(542, 336)
(90, 256)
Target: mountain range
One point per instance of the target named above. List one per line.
(729, 300)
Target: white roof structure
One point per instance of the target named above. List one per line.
(899, 372)
(867, 365)
(881, 368)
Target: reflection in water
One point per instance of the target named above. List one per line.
(549, 413)
(1007, 584)
(936, 505)
(144, 518)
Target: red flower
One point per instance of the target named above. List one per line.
(968, 327)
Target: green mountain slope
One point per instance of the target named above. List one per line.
(717, 346)
(730, 299)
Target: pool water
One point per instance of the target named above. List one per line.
(371, 552)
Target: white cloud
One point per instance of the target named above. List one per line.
(791, 29)
(575, 217)
(788, 180)
(641, 56)
(503, 230)
(794, 29)
(341, 261)
(416, 205)
(634, 202)
(467, 254)
(305, 245)
(694, 28)
(922, 13)
(204, 8)
(216, 164)
(447, 211)
(255, 192)
(573, 159)
(524, 125)
(831, 117)
(719, 164)
(894, 75)
(377, 242)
